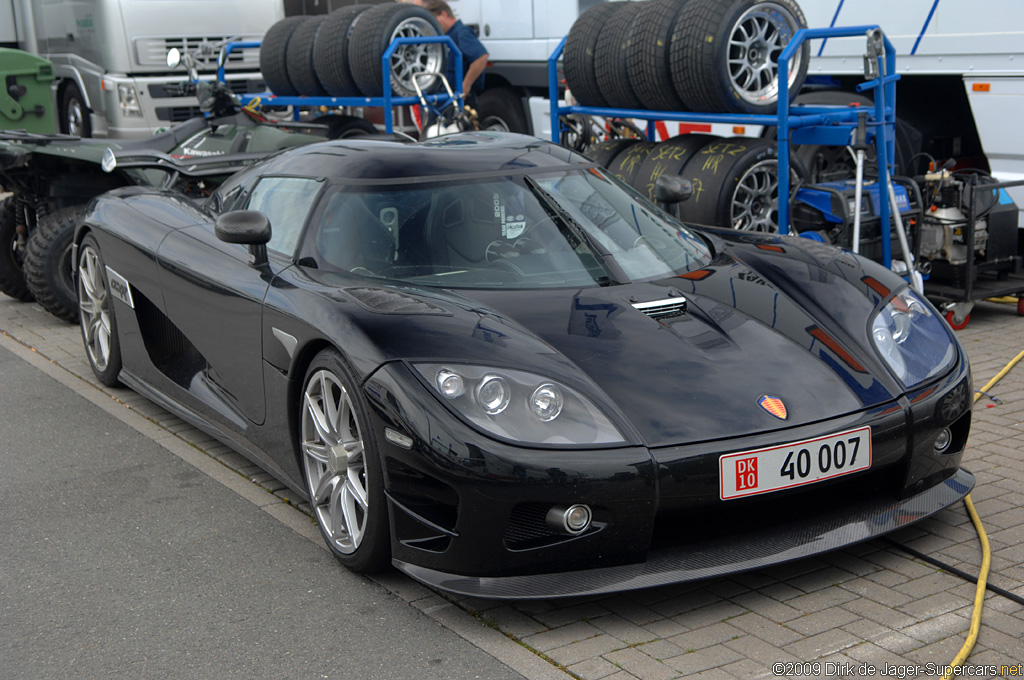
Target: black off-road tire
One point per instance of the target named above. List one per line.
(700, 54)
(580, 50)
(500, 108)
(330, 52)
(668, 158)
(372, 32)
(730, 170)
(299, 59)
(274, 56)
(649, 54)
(12, 254)
(48, 262)
(611, 59)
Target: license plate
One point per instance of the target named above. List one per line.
(783, 467)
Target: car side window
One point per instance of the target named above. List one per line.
(286, 201)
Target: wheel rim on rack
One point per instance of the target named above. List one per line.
(411, 61)
(755, 201)
(333, 453)
(756, 41)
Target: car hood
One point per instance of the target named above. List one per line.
(752, 323)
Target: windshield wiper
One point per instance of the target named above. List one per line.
(566, 221)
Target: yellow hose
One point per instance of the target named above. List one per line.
(986, 551)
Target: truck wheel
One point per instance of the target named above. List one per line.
(668, 158)
(580, 48)
(603, 153)
(501, 109)
(48, 262)
(626, 165)
(12, 254)
(648, 54)
(736, 184)
(330, 52)
(343, 127)
(274, 56)
(74, 116)
(724, 56)
(299, 59)
(611, 60)
(375, 29)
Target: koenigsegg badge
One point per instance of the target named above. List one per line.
(774, 406)
(119, 287)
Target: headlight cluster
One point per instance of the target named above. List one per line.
(520, 406)
(912, 340)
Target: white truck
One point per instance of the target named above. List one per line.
(110, 56)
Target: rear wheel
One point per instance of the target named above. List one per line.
(74, 115)
(99, 328)
(12, 254)
(343, 127)
(341, 464)
(48, 263)
(500, 109)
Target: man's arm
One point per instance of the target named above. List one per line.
(473, 72)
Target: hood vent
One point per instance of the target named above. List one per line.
(662, 309)
(385, 301)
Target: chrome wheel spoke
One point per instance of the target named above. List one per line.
(325, 487)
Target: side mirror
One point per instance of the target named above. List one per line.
(672, 189)
(173, 57)
(248, 227)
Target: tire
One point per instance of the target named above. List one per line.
(74, 115)
(274, 56)
(501, 109)
(48, 262)
(717, 67)
(12, 254)
(668, 158)
(341, 464)
(580, 49)
(375, 29)
(299, 59)
(648, 54)
(735, 184)
(626, 165)
(330, 52)
(604, 153)
(99, 328)
(343, 127)
(611, 59)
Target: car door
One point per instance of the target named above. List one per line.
(214, 296)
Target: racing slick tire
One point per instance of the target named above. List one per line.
(12, 254)
(48, 270)
(99, 328)
(341, 464)
(299, 59)
(74, 114)
(330, 52)
(611, 62)
(603, 153)
(724, 56)
(648, 54)
(375, 29)
(626, 165)
(274, 56)
(580, 48)
(735, 184)
(668, 158)
(501, 109)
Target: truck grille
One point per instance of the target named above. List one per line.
(152, 51)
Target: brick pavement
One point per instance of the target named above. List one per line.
(868, 604)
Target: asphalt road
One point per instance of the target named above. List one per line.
(118, 559)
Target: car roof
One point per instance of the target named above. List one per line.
(377, 162)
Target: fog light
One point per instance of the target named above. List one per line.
(943, 441)
(572, 520)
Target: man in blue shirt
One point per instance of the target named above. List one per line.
(474, 54)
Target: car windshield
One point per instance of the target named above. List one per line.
(573, 228)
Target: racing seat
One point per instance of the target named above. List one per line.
(351, 236)
(461, 225)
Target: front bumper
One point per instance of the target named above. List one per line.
(467, 513)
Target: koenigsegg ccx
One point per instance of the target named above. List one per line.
(486, 361)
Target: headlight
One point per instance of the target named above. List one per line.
(912, 340)
(129, 101)
(520, 406)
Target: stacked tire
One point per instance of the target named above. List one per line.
(684, 55)
(339, 54)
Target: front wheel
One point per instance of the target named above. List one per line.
(74, 114)
(48, 263)
(342, 465)
(99, 328)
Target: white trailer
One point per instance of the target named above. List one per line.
(110, 56)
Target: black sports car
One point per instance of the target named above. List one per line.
(487, 361)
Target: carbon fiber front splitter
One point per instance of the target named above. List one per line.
(717, 557)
